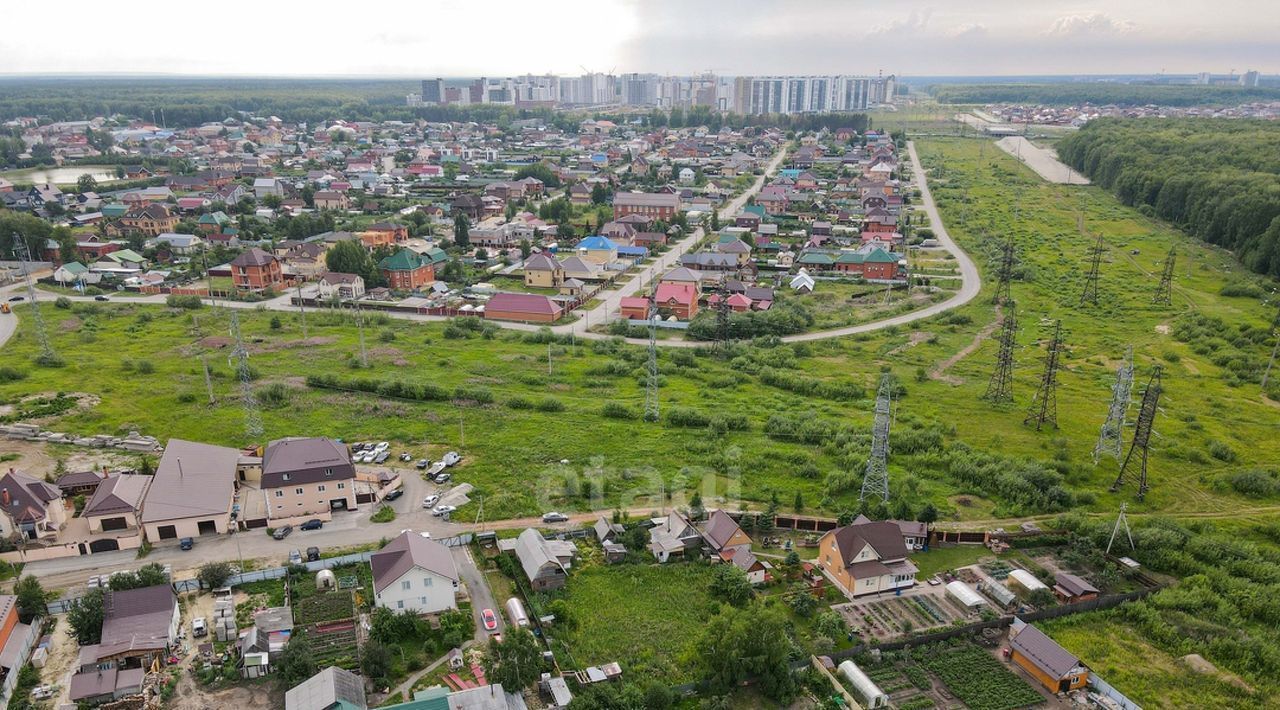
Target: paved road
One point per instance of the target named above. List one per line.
(1043, 161)
(478, 587)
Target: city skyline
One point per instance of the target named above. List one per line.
(749, 37)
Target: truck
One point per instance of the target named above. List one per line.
(515, 611)
(198, 627)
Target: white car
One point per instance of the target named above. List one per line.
(198, 627)
(442, 510)
(430, 500)
(451, 458)
(436, 468)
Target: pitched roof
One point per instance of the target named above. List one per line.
(403, 260)
(253, 257)
(305, 460)
(522, 303)
(885, 538)
(191, 480)
(136, 620)
(118, 494)
(673, 291)
(720, 528)
(542, 261)
(27, 498)
(535, 552)
(1043, 651)
(681, 274)
(597, 243)
(331, 687)
(406, 552)
(647, 199)
(1073, 585)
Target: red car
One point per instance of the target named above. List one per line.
(490, 620)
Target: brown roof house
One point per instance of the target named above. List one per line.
(727, 540)
(866, 557)
(543, 271)
(414, 574)
(545, 562)
(307, 478)
(255, 270)
(191, 492)
(138, 625)
(522, 307)
(30, 507)
(1054, 666)
(1071, 588)
(117, 503)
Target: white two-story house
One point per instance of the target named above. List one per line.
(414, 574)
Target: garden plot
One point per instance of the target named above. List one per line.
(889, 617)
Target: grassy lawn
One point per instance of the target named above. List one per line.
(642, 616)
(939, 559)
(1146, 674)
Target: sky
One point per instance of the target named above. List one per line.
(456, 38)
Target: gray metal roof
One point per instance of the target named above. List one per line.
(118, 494)
(324, 689)
(191, 480)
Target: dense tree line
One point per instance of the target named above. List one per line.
(1218, 179)
(1102, 94)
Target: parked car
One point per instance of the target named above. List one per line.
(406, 456)
(393, 494)
(422, 464)
(43, 692)
(382, 446)
(382, 457)
(490, 620)
(101, 298)
(554, 517)
(15, 299)
(430, 500)
(282, 532)
(313, 554)
(442, 510)
(451, 458)
(186, 543)
(312, 524)
(295, 557)
(442, 478)
(198, 627)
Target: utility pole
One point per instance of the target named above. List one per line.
(1111, 438)
(302, 311)
(1142, 435)
(722, 318)
(875, 480)
(1000, 387)
(240, 361)
(208, 381)
(651, 373)
(1164, 292)
(364, 356)
(47, 355)
(1044, 407)
(548, 358)
(1090, 295)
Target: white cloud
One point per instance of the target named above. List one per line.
(1089, 23)
(968, 29)
(915, 22)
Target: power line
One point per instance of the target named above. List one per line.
(47, 355)
(1164, 292)
(651, 412)
(1005, 273)
(1044, 407)
(1090, 295)
(875, 480)
(240, 361)
(1111, 437)
(1000, 387)
(1142, 435)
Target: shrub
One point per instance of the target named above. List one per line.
(144, 367)
(187, 302)
(62, 302)
(550, 404)
(520, 403)
(617, 410)
(275, 394)
(387, 335)
(1255, 483)
(384, 514)
(684, 416)
(11, 374)
(1221, 451)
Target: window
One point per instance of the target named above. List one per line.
(321, 488)
(279, 494)
(400, 605)
(297, 491)
(405, 585)
(328, 472)
(341, 486)
(424, 600)
(426, 582)
(285, 477)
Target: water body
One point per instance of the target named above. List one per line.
(61, 176)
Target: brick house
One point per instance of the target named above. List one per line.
(307, 477)
(406, 270)
(150, 220)
(255, 270)
(522, 307)
(677, 299)
(655, 205)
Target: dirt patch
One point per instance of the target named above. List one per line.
(37, 459)
(1163, 329)
(190, 695)
(1199, 664)
(69, 325)
(939, 372)
(215, 341)
(315, 342)
(914, 339)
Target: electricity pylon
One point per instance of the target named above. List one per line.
(1164, 292)
(1142, 436)
(239, 359)
(1044, 407)
(1090, 294)
(1005, 273)
(1111, 438)
(1000, 387)
(875, 481)
(42, 336)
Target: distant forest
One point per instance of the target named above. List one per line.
(187, 102)
(1219, 179)
(1101, 94)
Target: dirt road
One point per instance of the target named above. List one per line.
(1042, 160)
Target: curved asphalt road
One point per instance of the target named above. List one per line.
(971, 282)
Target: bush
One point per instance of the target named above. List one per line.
(384, 514)
(550, 404)
(520, 403)
(187, 302)
(62, 302)
(11, 374)
(686, 417)
(617, 410)
(275, 394)
(1255, 483)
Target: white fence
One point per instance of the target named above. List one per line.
(1102, 687)
(11, 680)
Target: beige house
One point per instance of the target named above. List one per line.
(191, 492)
(337, 285)
(307, 478)
(116, 505)
(30, 507)
(543, 271)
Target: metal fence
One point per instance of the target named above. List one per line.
(11, 680)
(1102, 687)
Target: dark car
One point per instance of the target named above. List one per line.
(101, 298)
(282, 532)
(422, 464)
(312, 524)
(14, 299)
(186, 543)
(313, 554)
(394, 494)
(382, 457)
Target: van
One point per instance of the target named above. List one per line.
(198, 627)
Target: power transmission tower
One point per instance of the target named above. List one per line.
(239, 359)
(1111, 438)
(722, 318)
(1121, 520)
(1090, 294)
(875, 481)
(208, 381)
(1142, 435)
(1000, 387)
(302, 311)
(364, 356)
(651, 378)
(1005, 274)
(1164, 292)
(1044, 407)
(42, 336)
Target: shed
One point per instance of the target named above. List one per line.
(998, 592)
(870, 693)
(964, 594)
(326, 580)
(1026, 580)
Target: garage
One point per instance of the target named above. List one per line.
(109, 545)
(114, 524)
(207, 527)
(167, 532)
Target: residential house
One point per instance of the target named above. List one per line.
(306, 260)
(576, 267)
(648, 240)
(331, 689)
(725, 538)
(264, 186)
(677, 299)
(736, 248)
(307, 477)
(29, 507)
(710, 261)
(116, 504)
(634, 307)
(526, 307)
(331, 200)
(406, 270)
(1070, 588)
(655, 205)
(470, 205)
(80, 483)
(579, 194)
(545, 562)
(673, 536)
(213, 222)
(1056, 668)
(75, 272)
(256, 270)
(607, 533)
(139, 626)
(597, 249)
(866, 557)
(192, 491)
(332, 284)
(415, 574)
(149, 220)
(180, 244)
(541, 270)
(397, 232)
